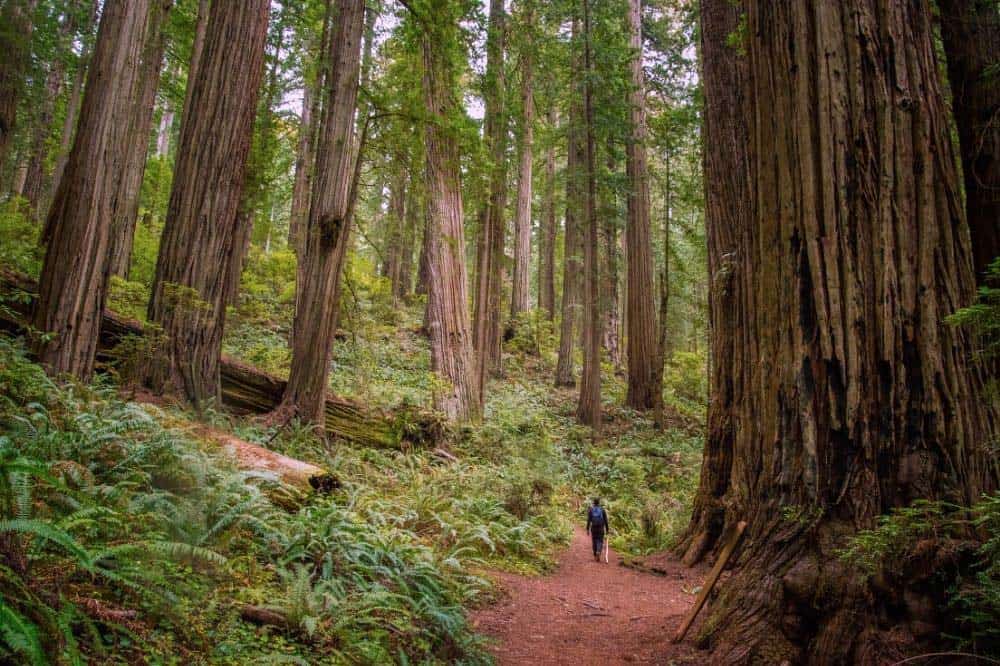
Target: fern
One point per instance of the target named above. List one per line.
(21, 635)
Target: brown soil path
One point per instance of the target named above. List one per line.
(592, 613)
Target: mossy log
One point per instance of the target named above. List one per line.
(248, 390)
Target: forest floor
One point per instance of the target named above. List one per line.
(589, 612)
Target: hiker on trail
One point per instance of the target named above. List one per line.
(597, 526)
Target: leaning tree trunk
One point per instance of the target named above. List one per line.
(141, 122)
(852, 396)
(522, 218)
(728, 215)
(329, 229)
(489, 262)
(588, 409)
(452, 356)
(547, 236)
(74, 278)
(970, 30)
(203, 224)
(35, 178)
(644, 380)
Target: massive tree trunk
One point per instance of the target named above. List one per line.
(74, 277)
(850, 395)
(572, 246)
(588, 409)
(729, 205)
(203, 232)
(971, 33)
(329, 228)
(16, 21)
(489, 262)
(547, 236)
(452, 355)
(644, 381)
(140, 124)
(522, 218)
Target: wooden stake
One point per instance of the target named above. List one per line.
(713, 577)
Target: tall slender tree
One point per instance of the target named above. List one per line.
(328, 230)
(203, 234)
(73, 284)
(970, 30)
(522, 218)
(644, 379)
(490, 252)
(547, 233)
(452, 355)
(140, 124)
(851, 396)
(588, 409)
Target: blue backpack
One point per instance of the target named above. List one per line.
(596, 516)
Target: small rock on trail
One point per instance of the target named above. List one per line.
(590, 612)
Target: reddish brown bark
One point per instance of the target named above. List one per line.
(851, 394)
(73, 284)
(203, 226)
(452, 356)
(329, 228)
(140, 124)
(644, 380)
(608, 214)
(547, 235)
(522, 218)
(588, 409)
(970, 30)
(490, 249)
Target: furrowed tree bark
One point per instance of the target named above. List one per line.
(547, 237)
(489, 262)
(572, 239)
(140, 124)
(74, 278)
(970, 30)
(203, 224)
(645, 390)
(452, 356)
(522, 219)
(588, 410)
(852, 395)
(729, 213)
(329, 228)
(609, 280)
(16, 21)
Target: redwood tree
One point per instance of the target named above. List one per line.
(73, 283)
(588, 409)
(851, 396)
(644, 379)
(16, 21)
(452, 355)
(547, 234)
(490, 254)
(522, 217)
(328, 230)
(970, 30)
(203, 232)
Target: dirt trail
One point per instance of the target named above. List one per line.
(592, 613)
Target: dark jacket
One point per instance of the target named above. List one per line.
(598, 529)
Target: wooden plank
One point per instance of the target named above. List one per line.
(713, 577)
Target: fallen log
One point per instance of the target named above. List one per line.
(290, 471)
(248, 390)
(265, 617)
